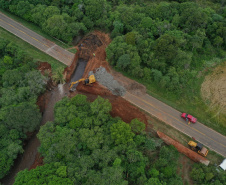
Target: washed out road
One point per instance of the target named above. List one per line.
(36, 40)
(208, 137)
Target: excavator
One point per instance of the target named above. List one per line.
(86, 81)
(198, 147)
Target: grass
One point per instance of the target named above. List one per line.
(191, 103)
(37, 29)
(30, 50)
(212, 156)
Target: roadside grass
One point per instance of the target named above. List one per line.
(191, 103)
(158, 125)
(37, 29)
(30, 50)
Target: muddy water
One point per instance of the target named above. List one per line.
(28, 157)
(81, 65)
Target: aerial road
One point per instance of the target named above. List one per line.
(208, 137)
(36, 40)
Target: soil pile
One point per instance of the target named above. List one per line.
(213, 89)
(182, 149)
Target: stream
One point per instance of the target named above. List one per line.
(26, 159)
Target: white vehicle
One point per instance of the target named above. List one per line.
(223, 165)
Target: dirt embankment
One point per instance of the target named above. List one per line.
(213, 89)
(182, 149)
(96, 43)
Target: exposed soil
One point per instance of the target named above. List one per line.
(182, 149)
(94, 43)
(185, 169)
(38, 161)
(213, 88)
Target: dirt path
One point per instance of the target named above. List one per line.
(30, 151)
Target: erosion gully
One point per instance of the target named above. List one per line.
(25, 160)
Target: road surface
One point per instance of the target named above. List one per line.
(208, 137)
(36, 40)
(163, 112)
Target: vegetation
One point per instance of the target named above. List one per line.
(163, 44)
(30, 51)
(202, 174)
(85, 145)
(20, 85)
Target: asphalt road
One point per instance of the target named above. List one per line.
(36, 40)
(163, 112)
(208, 137)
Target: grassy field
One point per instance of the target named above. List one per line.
(30, 50)
(37, 29)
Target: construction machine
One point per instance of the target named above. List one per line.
(198, 147)
(86, 81)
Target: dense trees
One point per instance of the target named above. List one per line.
(20, 84)
(208, 175)
(87, 146)
(150, 40)
(163, 43)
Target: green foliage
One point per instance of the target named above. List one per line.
(121, 133)
(137, 126)
(20, 85)
(53, 173)
(207, 175)
(24, 117)
(91, 147)
(10, 146)
(58, 76)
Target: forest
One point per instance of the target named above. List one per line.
(85, 145)
(160, 41)
(164, 44)
(20, 85)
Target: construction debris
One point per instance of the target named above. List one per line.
(107, 80)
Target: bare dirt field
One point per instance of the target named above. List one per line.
(214, 89)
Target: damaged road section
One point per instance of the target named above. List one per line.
(107, 80)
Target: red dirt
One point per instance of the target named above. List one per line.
(182, 149)
(42, 101)
(38, 161)
(120, 107)
(97, 42)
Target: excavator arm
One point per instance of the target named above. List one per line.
(80, 80)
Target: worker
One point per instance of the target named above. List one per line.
(189, 123)
(94, 54)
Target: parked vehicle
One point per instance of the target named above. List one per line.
(198, 147)
(188, 117)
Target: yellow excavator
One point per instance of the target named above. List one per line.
(86, 81)
(198, 147)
